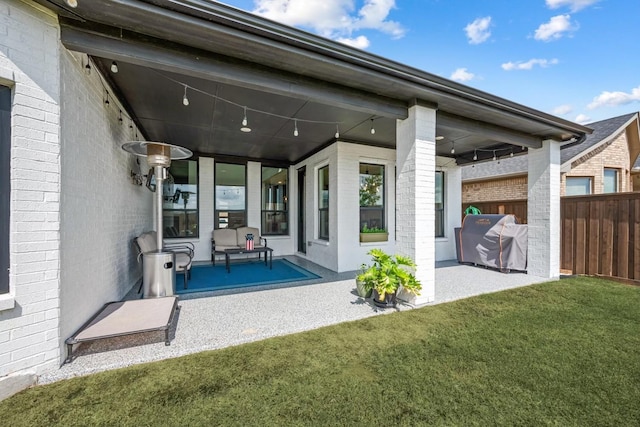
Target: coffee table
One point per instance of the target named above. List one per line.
(262, 249)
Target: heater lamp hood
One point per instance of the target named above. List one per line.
(147, 148)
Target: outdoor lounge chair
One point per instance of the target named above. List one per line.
(183, 251)
(227, 238)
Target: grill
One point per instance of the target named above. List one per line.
(495, 241)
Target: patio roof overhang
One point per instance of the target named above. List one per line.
(229, 59)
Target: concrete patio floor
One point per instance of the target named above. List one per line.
(214, 320)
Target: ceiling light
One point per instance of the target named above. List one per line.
(494, 156)
(114, 67)
(72, 3)
(373, 131)
(337, 135)
(475, 155)
(453, 147)
(439, 138)
(244, 127)
(185, 100)
(295, 128)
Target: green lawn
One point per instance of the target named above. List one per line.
(562, 353)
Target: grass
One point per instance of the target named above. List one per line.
(561, 353)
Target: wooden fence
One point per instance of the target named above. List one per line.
(600, 233)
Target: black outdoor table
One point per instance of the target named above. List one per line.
(263, 249)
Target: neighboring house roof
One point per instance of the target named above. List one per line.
(603, 131)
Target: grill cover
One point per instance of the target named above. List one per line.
(495, 241)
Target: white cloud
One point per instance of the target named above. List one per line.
(478, 31)
(334, 19)
(612, 99)
(582, 119)
(361, 42)
(462, 75)
(543, 63)
(574, 5)
(561, 110)
(555, 28)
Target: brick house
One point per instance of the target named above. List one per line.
(602, 163)
(78, 79)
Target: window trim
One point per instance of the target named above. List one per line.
(317, 202)
(591, 182)
(262, 203)
(384, 206)
(197, 209)
(616, 171)
(6, 99)
(444, 207)
(246, 196)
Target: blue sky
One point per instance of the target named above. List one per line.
(576, 59)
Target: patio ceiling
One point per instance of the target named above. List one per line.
(229, 59)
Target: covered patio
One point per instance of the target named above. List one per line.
(85, 77)
(214, 320)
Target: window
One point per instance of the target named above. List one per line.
(230, 195)
(275, 206)
(372, 203)
(5, 185)
(180, 200)
(578, 185)
(323, 203)
(439, 204)
(610, 184)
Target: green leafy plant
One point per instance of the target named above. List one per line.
(366, 229)
(389, 273)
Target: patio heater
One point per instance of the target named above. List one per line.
(158, 271)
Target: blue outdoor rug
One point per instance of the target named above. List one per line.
(254, 273)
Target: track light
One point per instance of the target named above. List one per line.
(295, 128)
(373, 131)
(185, 100)
(337, 135)
(114, 67)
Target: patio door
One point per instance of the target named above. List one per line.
(302, 237)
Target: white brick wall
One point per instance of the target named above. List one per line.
(321, 252)
(352, 253)
(543, 212)
(102, 210)
(29, 52)
(416, 159)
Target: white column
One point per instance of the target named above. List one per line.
(543, 211)
(415, 194)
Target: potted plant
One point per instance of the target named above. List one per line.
(364, 284)
(373, 234)
(387, 275)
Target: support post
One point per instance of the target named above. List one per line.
(543, 211)
(415, 195)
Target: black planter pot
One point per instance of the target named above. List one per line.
(390, 300)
